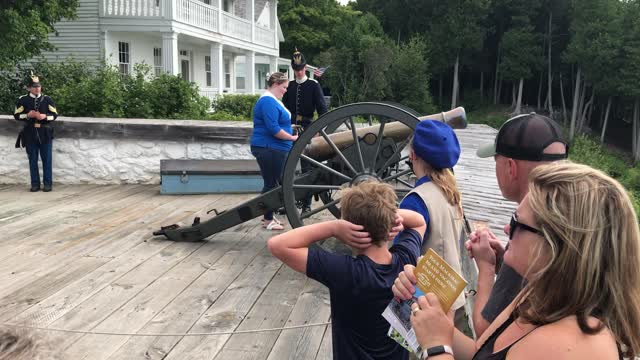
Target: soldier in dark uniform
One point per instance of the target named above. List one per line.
(37, 111)
(303, 97)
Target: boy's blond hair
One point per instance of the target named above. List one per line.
(373, 205)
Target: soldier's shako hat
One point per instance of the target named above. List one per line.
(34, 81)
(298, 61)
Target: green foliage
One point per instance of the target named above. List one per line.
(80, 89)
(409, 76)
(237, 106)
(586, 150)
(520, 53)
(174, 98)
(225, 116)
(492, 116)
(25, 26)
(310, 25)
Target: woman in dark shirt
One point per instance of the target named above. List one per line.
(575, 239)
(272, 138)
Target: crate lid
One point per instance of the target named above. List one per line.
(209, 167)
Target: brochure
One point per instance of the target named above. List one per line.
(434, 275)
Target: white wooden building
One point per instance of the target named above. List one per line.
(213, 43)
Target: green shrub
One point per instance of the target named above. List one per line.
(173, 98)
(586, 150)
(236, 105)
(81, 89)
(492, 116)
(225, 116)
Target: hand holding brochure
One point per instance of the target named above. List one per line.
(434, 275)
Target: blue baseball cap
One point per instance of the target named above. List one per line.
(436, 143)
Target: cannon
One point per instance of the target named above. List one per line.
(353, 143)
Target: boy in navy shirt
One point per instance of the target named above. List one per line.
(360, 286)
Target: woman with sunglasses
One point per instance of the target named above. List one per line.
(575, 239)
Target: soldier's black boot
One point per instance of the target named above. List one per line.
(35, 188)
(47, 188)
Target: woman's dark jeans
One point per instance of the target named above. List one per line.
(271, 162)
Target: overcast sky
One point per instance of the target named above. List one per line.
(343, 1)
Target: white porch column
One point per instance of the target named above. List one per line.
(104, 51)
(252, 17)
(274, 22)
(220, 16)
(170, 53)
(250, 72)
(217, 66)
(273, 64)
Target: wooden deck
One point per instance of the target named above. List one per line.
(82, 259)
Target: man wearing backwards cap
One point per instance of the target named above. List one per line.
(37, 111)
(303, 97)
(434, 151)
(523, 143)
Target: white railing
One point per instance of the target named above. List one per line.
(236, 27)
(264, 36)
(137, 8)
(210, 93)
(197, 13)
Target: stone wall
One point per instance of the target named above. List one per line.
(117, 151)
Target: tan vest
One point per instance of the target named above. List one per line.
(444, 230)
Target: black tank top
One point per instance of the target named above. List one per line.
(486, 350)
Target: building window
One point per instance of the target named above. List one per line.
(227, 5)
(227, 73)
(157, 61)
(207, 69)
(124, 57)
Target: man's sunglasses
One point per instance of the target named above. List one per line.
(514, 224)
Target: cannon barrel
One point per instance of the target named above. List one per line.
(320, 150)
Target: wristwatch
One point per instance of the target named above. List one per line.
(436, 350)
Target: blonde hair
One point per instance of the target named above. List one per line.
(373, 205)
(592, 246)
(446, 181)
(276, 78)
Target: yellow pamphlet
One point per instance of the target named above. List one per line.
(434, 275)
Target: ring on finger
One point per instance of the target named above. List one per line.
(414, 310)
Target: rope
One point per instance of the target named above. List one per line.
(168, 334)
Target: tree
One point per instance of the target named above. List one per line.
(410, 65)
(594, 31)
(25, 26)
(359, 61)
(310, 25)
(630, 69)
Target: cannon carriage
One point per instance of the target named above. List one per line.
(353, 143)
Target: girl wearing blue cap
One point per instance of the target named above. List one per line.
(434, 151)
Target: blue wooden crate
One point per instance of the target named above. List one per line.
(209, 176)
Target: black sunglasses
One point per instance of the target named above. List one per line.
(514, 224)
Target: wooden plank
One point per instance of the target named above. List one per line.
(312, 307)
(109, 299)
(228, 311)
(43, 287)
(183, 312)
(132, 316)
(52, 308)
(326, 347)
(272, 310)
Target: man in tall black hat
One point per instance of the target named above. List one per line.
(37, 111)
(303, 97)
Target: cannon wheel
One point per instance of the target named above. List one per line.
(347, 117)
